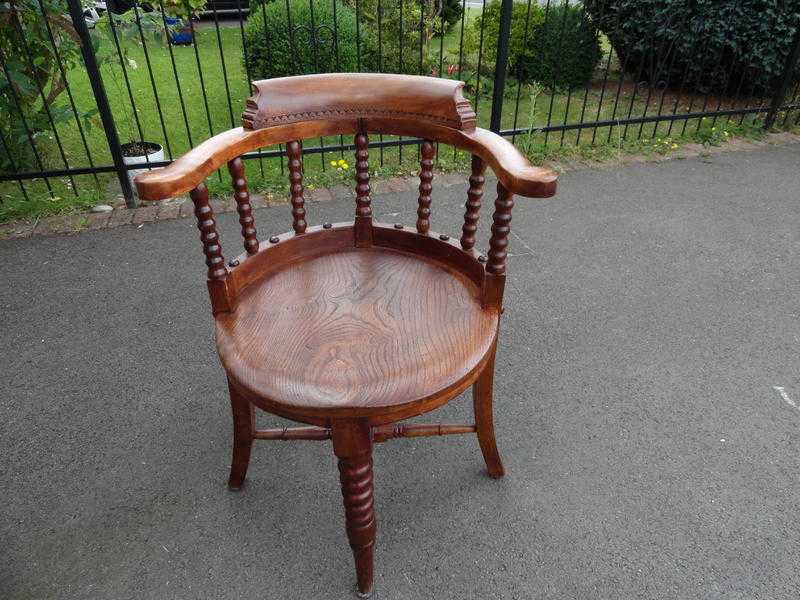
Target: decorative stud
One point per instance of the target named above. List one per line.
(444, 237)
(327, 225)
(234, 262)
(482, 258)
(274, 239)
(398, 225)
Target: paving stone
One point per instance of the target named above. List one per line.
(169, 210)
(145, 214)
(259, 201)
(223, 205)
(49, 225)
(98, 220)
(450, 179)
(19, 229)
(120, 216)
(319, 195)
(187, 209)
(342, 191)
(74, 223)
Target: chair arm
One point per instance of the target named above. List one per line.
(513, 170)
(192, 168)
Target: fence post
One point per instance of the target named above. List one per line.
(783, 87)
(501, 64)
(99, 91)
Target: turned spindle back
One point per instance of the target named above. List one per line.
(291, 109)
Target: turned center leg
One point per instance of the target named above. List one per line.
(352, 444)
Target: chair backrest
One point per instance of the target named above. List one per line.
(288, 110)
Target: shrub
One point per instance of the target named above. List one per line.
(490, 22)
(565, 50)
(387, 51)
(30, 72)
(715, 44)
(560, 48)
(311, 48)
(451, 11)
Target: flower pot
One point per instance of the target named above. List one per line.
(179, 31)
(141, 153)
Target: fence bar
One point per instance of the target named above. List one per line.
(501, 65)
(13, 166)
(416, 141)
(780, 93)
(168, 37)
(67, 87)
(650, 119)
(103, 107)
(24, 121)
(519, 71)
(45, 104)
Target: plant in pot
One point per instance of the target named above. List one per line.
(112, 36)
(178, 15)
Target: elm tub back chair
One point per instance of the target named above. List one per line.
(352, 327)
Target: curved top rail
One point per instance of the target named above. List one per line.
(332, 96)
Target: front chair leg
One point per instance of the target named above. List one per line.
(352, 444)
(484, 421)
(244, 426)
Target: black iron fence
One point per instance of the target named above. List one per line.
(86, 95)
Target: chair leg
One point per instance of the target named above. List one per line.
(484, 421)
(352, 444)
(244, 425)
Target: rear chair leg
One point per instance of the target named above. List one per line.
(484, 421)
(352, 444)
(244, 425)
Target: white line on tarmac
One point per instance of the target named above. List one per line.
(785, 396)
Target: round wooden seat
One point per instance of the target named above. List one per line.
(359, 332)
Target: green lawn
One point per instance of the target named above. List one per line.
(562, 107)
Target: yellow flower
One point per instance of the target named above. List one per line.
(333, 163)
(674, 146)
(713, 129)
(341, 162)
(345, 166)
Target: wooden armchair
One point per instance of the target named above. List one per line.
(352, 327)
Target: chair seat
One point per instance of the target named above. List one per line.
(356, 333)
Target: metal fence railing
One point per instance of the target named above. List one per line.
(87, 96)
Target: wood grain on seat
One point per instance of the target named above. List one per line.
(355, 332)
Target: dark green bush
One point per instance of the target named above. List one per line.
(451, 11)
(489, 21)
(564, 52)
(392, 44)
(273, 52)
(561, 46)
(717, 45)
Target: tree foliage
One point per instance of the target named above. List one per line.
(707, 45)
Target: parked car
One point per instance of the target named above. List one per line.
(227, 7)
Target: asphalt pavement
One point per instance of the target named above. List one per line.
(647, 410)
